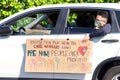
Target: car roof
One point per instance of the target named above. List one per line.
(81, 5)
(70, 5)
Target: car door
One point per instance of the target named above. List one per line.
(103, 47)
(13, 46)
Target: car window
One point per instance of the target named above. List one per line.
(81, 21)
(118, 17)
(23, 22)
(40, 23)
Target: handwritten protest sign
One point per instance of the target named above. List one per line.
(58, 56)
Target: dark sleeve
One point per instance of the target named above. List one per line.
(101, 32)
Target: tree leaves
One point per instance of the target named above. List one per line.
(9, 7)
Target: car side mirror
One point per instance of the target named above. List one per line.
(5, 31)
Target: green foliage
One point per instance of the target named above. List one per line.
(9, 7)
(22, 22)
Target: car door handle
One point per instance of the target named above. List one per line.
(110, 40)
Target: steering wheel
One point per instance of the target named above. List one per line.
(22, 30)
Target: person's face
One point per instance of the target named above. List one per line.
(101, 20)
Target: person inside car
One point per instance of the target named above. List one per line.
(101, 26)
(37, 26)
(52, 20)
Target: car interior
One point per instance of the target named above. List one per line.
(81, 22)
(24, 26)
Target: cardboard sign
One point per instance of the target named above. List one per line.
(58, 56)
(36, 31)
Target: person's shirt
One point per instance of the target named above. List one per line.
(100, 32)
(49, 26)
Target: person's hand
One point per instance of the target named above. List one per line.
(97, 27)
(86, 38)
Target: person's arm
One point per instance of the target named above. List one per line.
(98, 32)
(101, 32)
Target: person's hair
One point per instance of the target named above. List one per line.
(103, 14)
(53, 18)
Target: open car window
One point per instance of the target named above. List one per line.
(37, 23)
(81, 21)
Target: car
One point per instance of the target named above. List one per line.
(58, 52)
